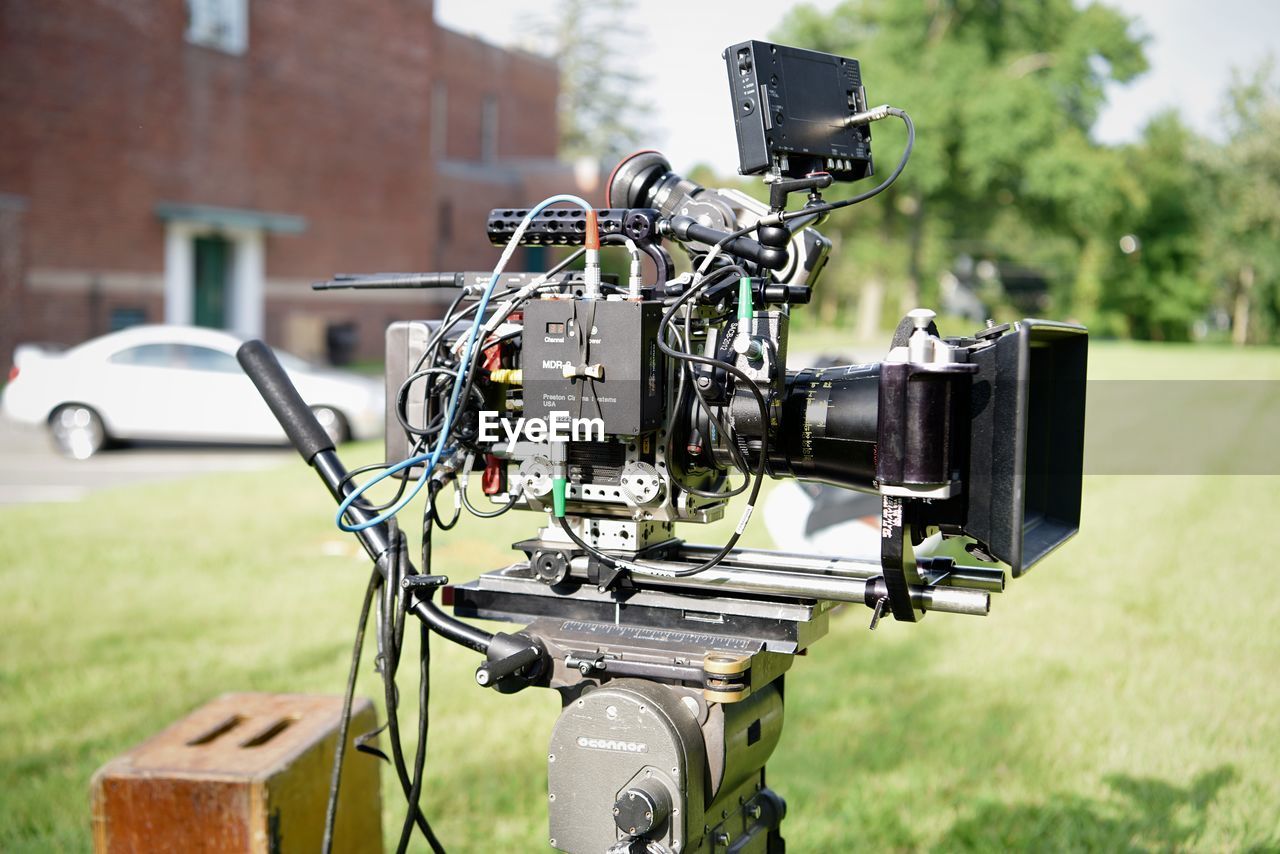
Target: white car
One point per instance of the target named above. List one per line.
(173, 383)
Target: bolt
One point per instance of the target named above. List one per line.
(703, 382)
(615, 810)
(990, 323)
(551, 797)
(551, 757)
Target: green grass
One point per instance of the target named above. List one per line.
(1124, 696)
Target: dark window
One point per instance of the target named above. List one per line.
(187, 356)
(146, 355)
(123, 318)
(204, 359)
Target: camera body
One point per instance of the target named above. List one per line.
(983, 434)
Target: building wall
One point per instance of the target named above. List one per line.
(524, 86)
(106, 110)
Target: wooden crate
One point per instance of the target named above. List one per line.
(247, 772)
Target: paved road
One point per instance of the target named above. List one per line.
(31, 471)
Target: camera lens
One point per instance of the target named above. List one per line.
(645, 180)
(827, 430)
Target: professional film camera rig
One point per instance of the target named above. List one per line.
(615, 410)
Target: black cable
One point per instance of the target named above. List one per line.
(447, 323)
(451, 318)
(391, 650)
(692, 490)
(404, 482)
(420, 754)
(814, 210)
(476, 352)
(687, 377)
(739, 461)
(344, 725)
(875, 191)
(488, 514)
(434, 488)
(402, 400)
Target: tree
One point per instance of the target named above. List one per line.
(1241, 181)
(1004, 96)
(599, 114)
(1154, 282)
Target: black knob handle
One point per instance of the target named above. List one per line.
(297, 419)
(686, 228)
(506, 656)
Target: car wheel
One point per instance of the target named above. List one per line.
(333, 422)
(77, 431)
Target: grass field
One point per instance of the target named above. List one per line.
(1124, 696)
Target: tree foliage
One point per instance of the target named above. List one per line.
(599, 114)
(1146, 240)
(1003, 95)
(1242, 176)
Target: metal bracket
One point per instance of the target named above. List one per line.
(897, 560)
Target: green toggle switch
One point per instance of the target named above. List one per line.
(745, 309)
(557, 496)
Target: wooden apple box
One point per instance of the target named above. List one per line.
(246, 772)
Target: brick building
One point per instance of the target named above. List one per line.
(206, 161)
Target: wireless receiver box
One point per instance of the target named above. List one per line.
(612, 345)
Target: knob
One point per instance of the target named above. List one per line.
(921, 317)
(642, 808)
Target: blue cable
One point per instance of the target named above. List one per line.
(433, 457)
